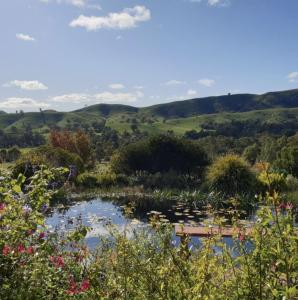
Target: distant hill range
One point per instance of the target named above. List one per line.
(178, 116)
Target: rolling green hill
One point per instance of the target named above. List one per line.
(180, 116)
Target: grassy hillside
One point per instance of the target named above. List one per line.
(180, 116)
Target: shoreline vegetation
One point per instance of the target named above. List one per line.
(39, 264)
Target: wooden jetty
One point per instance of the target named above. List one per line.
(204, 231)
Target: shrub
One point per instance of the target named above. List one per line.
(160, 154)
(78, 143)
(270, 179)
(58, 157)
(231, 175)
(170, 179)
(36, 263)
(87, 180)
(288, 160)
(46, 156)
(104, 180)
(13, 154)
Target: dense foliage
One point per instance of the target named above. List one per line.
(231, 175)
(36, 263)
(77, 143)
(161, 154)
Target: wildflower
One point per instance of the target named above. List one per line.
(241, 237)
(30, 250)
(282, 205)
(26, 209)
(21, 248)
(2, 207)
(57, 261)
(6, 250)
(289, 206)
(85, 285)
(41, 235)
(73, 290)
(44, 208)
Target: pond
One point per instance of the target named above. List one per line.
(97, 212)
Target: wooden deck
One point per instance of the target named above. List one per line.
(202, 231)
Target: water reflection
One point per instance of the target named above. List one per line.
(98, 212)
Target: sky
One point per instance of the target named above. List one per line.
(66, 54)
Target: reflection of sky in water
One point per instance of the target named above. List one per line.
(96, 214)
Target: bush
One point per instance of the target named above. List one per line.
(160, 154)
(231, 175)
(87, 180)
(46, 156)
(270, 179)
(103, 180)
(170, 180)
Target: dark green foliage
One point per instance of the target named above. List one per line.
(160, 153)
(231, 175)
(13, 154)
(288, 160)
(168, 180)
(251, 153)
(87, 180)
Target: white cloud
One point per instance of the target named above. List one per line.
(15, 103)
(293, 77)
(174, 82)
(72, 98)
(219, 2)
(214, 3)
(77, 3)
(126, 19)
(104, 97)
(207, 82)
(116, 86)
(25, 37)
(191, 92)
(107, 97)
(138, 87)
(33, 85)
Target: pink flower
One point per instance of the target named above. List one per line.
(241, 237)
(85, 285)
(282, 205)
(6, 250)
(21, 248)
(41, 235)
(2, 207)
(289, 206)
(30, 250)
(57, 261)
(73, 290)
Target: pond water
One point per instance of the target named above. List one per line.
(97, 212)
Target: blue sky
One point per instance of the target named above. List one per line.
(65, 54)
